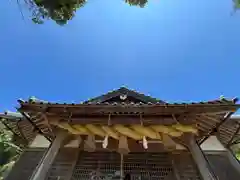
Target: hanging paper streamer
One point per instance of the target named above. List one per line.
(105, 142)
(145, 143)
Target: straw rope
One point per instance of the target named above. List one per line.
(136, 132)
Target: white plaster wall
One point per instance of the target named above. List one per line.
(73, 143)
(40, 141)
(180, 147)
(212, 144)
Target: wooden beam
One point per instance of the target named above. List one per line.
(76, 152)
(168, 143)
(228, 115)
(118, 119)
(209, 118)
(41, 170)
(235, 133)
(35, 126)
(200, 159)
(126, 108)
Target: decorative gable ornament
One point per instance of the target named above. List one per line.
(123, 97)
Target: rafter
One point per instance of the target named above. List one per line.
(236, 132)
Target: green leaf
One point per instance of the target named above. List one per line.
(237, 4)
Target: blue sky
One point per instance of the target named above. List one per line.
(175, 50)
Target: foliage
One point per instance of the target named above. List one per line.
(8, 152)
(61, 11)
(236, 150)
(58, 10)
(140, 3)
(236, 4)
(237, 153)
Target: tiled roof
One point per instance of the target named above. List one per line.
(124, 91)
(136, 97)
(143, 100)
(20, 127)
(11, 115)
(213, 102)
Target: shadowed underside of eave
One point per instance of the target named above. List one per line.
(229, 132)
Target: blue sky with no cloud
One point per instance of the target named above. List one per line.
(175, 50)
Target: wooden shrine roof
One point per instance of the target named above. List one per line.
(127, 102)
(210, 107)
(126, 106)
(22, 129)
(229, 132)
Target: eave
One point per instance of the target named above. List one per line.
(208, 116)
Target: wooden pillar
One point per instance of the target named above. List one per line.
(175, 170)
(41, 170)
(200, 159)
